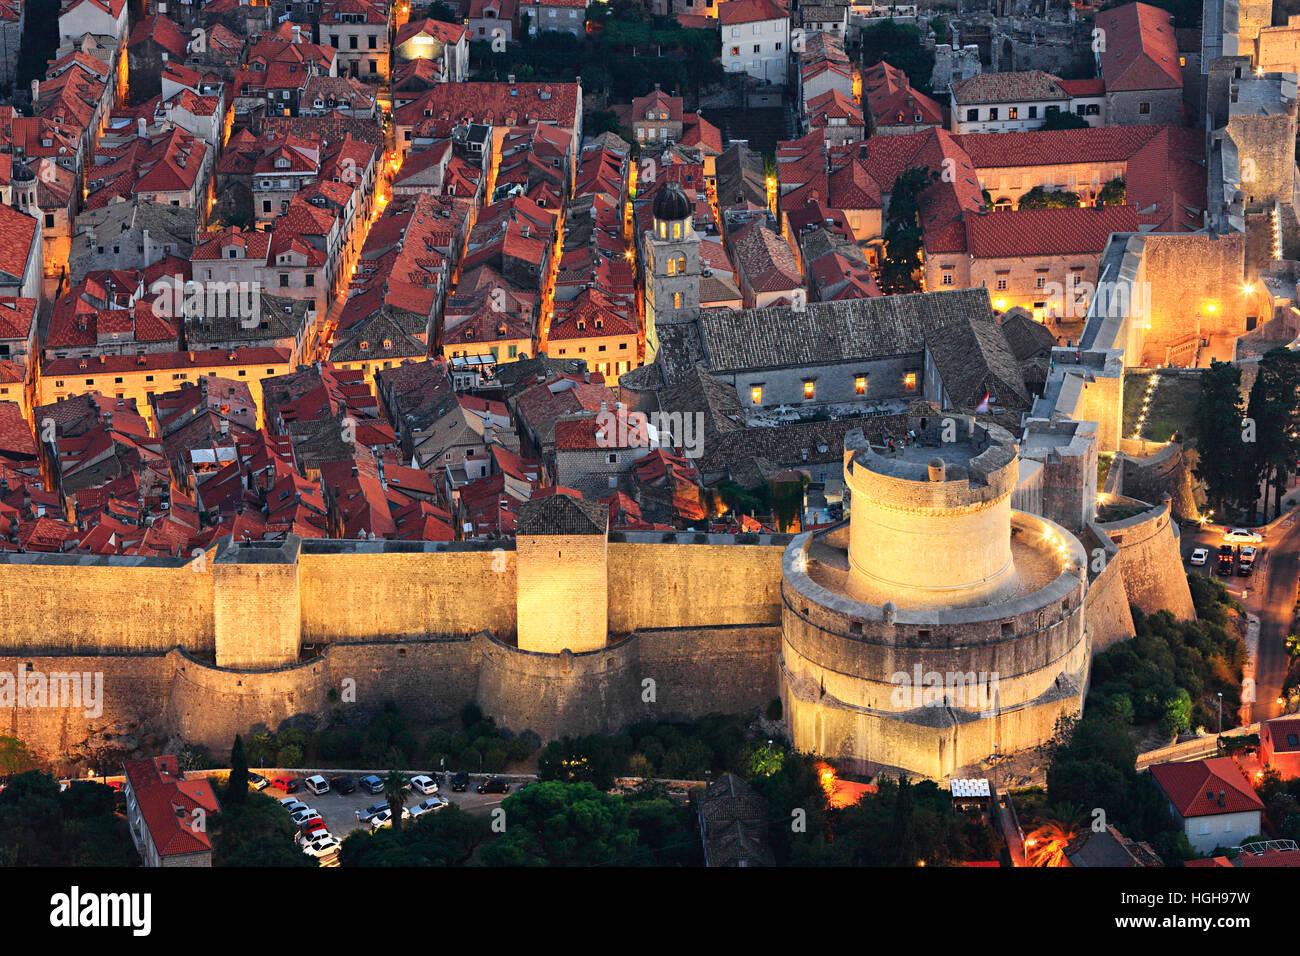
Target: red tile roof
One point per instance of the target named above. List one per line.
(1046, 232)
(750, 11)
(1193, 788)
(209, 358)
(1141, 50)
(17, 235)
(167, 804)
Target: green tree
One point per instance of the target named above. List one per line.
(447, 837)
(395, 783)
(1274, 412)
(1040, 198)
(903, 232)
(1064, 120)
(901, 46)
(1114, 193)
(255, 832)
(14, 757)
(554, 824)
(1217, 429)
(237, 785)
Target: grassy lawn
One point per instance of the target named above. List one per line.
(1103, 469)
(1171, 408)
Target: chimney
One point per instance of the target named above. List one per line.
(141, 127)
(586, 377)
(297, 33)
(602, 406)
(1221, 796)
(510, 78)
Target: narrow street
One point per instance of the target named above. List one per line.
(1270, 593)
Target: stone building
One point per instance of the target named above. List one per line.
(671, 261)
(1139, 62)
(940, 626)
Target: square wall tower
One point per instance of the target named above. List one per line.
(561, 562)
(257, 614)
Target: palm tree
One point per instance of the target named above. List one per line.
(395, 793)
(1046, 843)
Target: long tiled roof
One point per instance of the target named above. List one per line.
(829, 332)
(1046, 232)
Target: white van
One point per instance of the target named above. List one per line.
(317, 784)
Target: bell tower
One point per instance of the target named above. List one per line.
(672, 268)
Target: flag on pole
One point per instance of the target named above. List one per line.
(983, 407)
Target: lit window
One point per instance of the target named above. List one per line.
(677, 230)
(1013, 113)
(677, 300)
(755, 394)
(672, 267)
(808, 390)
(909, 381)
(860, 385)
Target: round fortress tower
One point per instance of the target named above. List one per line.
(931, 523)
(939, 626)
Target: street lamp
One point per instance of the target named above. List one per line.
(1220, 712)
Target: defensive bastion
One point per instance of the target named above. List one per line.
(573, 629)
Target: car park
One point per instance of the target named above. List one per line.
(493, 785)
(372, 784)
(293, 804)
(1242, 536)
(429, 805)
(317, 784)
(287, 784)
(424, 784)
(460, 782)
(1199, 556)
(325, 846)
(257, 781)
(343, 785)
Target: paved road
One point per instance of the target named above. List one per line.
(1270, 593)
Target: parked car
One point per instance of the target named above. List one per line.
(302, 816)
(424, 784)
(314, 827)
(385, 818)
(371, 811)
(1247, 563)
(317, 784)
(293, 804)
(1225, 560)
(493, 785)
(257, 781)
(372, 784)
(343, 785)
(429, 805)
(1242, 536)
(325, 846)
(1199, 556)
(460, 782)
(287, 784)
